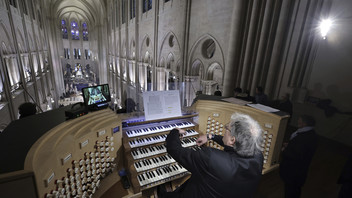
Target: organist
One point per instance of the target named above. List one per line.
(234, 172)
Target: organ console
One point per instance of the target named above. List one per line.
(213, 115)
(75, 158)
(146, 158)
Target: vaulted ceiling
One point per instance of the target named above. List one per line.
(90, 11)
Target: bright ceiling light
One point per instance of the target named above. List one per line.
(325, 26)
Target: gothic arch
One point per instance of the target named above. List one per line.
(197, 68)
(170, 45)
(215, 72)
(162, 62)
(133, 50)
(21, 42)
(6, 39)
(170, 62)
(146, 46)
(124, 50)
(195, 53)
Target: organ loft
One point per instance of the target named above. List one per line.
(88, 66)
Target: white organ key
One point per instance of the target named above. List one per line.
(159, 149)
(147, 141)
(153, 162)
(160, 174)
(158, 129)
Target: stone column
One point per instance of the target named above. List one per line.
(233, 55)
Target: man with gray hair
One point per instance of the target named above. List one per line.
(234, 172)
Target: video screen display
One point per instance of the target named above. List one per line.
(96, 94)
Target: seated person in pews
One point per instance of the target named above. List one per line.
(260, 97)
(234, 172)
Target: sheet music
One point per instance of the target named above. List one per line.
(263, 108)
(161, 104)
(236, 101)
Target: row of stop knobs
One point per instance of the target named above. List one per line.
(84, 177)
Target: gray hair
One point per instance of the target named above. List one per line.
(248, 134)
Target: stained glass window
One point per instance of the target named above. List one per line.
(147, 5)
(150, 3)
(74, 31)
(64, 29)
(144, 5)
(85, 31)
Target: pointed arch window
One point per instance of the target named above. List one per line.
(24, 7)
(32, 9)
(64, 29)
(132, 9)
(13, 3)
(123, 12)
(74, 30)
(147, 5)
(117, 14)
(85, 31)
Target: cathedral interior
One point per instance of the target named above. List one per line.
(51, 49)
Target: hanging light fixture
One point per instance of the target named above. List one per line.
(325, 26)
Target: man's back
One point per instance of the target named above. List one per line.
(225, 174)
(216, 173)
(297, 157)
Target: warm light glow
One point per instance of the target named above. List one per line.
(325, 26)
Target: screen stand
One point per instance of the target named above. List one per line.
(98, 106)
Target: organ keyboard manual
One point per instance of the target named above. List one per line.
(147, 160)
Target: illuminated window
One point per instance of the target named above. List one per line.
(64, 29)
(85, 31)
(79, 53)
(74, 31)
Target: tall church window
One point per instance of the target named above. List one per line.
(13, 72)
(117, 14)
(24, 7)
(74, 30)
(86, 54)
(147, 5)
(123, 11)
(85, 31)
(150, 2)
(13, 3)
(79, 53)
(68, 53)
(64, 29)
(132, 9)
(32, 9)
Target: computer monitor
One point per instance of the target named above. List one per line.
(96, 96)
